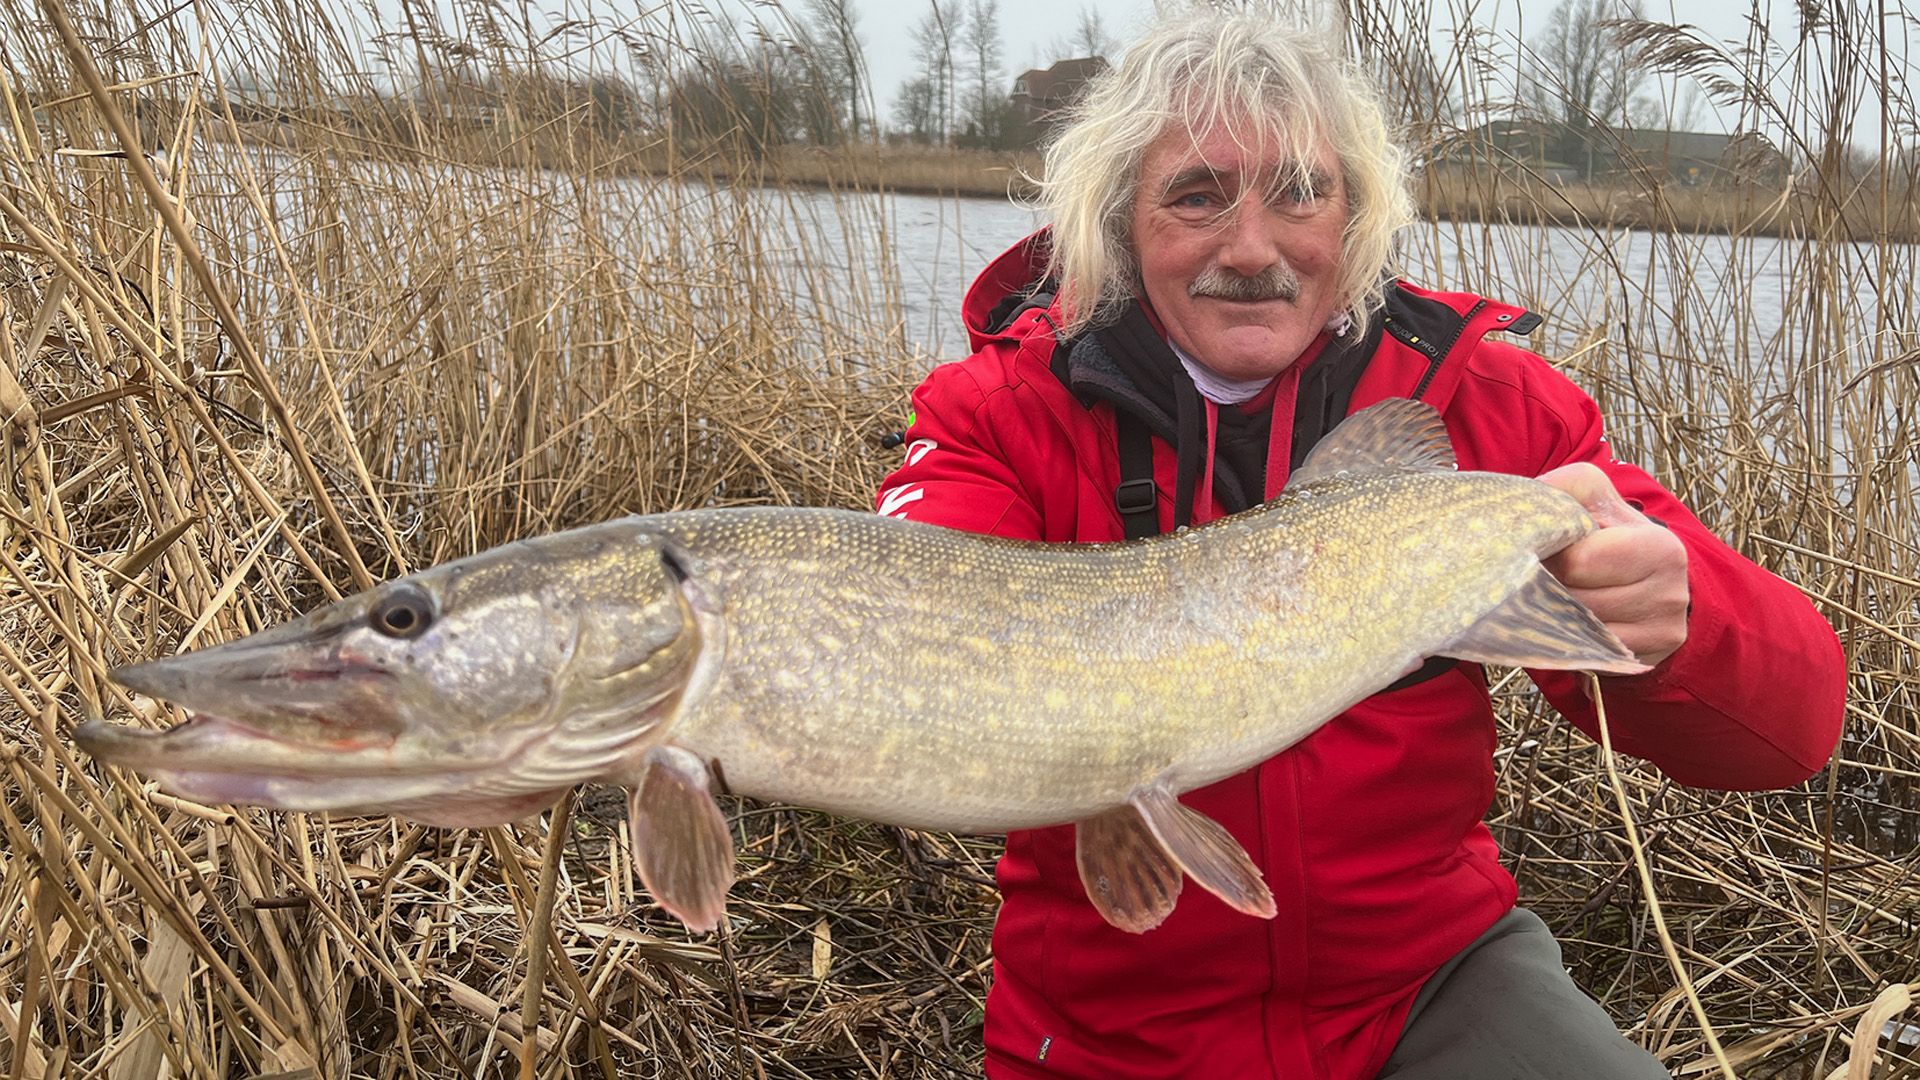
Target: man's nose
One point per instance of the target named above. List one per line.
(1248, 245)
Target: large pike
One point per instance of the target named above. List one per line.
(886, 669)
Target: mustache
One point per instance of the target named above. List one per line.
(1276, 282)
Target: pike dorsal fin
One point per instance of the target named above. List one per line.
(1398, 433)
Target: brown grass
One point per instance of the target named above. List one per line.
(1516, 196)
(255, 378)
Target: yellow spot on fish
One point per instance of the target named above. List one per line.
(1055, 699)
(912, 698)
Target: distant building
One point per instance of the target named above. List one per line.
(1039, 95)
(255, 101)
(1551, 151)
(1510, 144)
(1695, 158)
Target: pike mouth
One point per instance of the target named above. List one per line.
(254, 706)
(215, 759)
(204, 735)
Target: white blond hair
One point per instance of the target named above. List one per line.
(1273, 87)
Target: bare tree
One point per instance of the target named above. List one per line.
(753, 97)
(980, 38)
(916, 110)
(1416, 92)
(1580, 77)
(1090, 37)
(839, 56)
(927, 113)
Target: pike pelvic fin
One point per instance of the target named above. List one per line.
(1128, 874)
(1132, 873)
(1542, 626)
(1206, 851)
(1398, 433)
(680, 840)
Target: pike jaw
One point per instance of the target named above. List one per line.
(469, 694)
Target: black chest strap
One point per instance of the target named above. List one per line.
(1136, 497)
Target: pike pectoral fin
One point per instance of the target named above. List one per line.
(1542, 626)
(1205, 850)
(1128, 874)
(680, 839)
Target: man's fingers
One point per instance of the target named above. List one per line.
(1585, 482)
(1630, 572)
(1634, 579)
(1625, 555)
(1640, 602)
(1651, 641)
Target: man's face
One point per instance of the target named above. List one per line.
(1240, 263)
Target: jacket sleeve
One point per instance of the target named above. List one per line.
(1755, 697)
(954, 473)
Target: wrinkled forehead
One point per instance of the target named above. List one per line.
(1246, 147)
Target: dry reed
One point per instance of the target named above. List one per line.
(408, 335)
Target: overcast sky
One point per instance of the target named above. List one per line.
(1031, 27)
(1035, 31)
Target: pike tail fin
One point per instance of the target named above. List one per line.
(1131, 858)
(1542, 626)
(681, 845)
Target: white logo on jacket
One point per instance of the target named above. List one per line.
(894, 503)
(920, 448)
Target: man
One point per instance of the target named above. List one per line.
(1210, 298)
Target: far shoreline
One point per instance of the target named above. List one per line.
(1446, 192)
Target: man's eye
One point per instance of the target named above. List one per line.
(1194, 200)
(1299, 195)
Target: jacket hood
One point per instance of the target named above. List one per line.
(1017, 274)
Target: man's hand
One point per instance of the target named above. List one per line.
(1630, 571)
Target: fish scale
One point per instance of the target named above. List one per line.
(1105, 681)
(888, 669)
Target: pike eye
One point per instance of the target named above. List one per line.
(403, 613)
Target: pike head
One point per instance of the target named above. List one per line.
(468, 694)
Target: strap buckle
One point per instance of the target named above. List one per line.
(1136, 496)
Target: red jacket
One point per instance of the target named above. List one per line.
(1369, 831)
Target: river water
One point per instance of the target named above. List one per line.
(1709, 327)
(1705, 294)
(1662, 297)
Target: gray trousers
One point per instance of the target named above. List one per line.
(1505, 1009)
